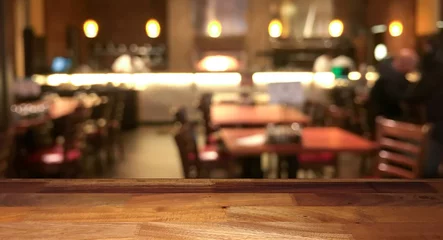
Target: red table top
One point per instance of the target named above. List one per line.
(231, 115)
(328, 139)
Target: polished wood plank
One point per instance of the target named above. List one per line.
(380, 214)
(166, 213)
(220, 200)
(244, 230)
(55, 231)
(260, 115)
(327, 139)
(368, 199)
(59, 200)
(221, 209)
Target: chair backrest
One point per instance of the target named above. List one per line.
(102, 110)
(181, 116)
(187, 146)
(118, 106)
(403, 148)
(73, 128)
(6, 150)
(205, 108)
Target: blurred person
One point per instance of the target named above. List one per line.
(344, 57)
(323, 62)
(429, 91)
(343, 61)
(390, 89)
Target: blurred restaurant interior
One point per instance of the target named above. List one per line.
(210, 88)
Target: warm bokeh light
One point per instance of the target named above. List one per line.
(396, 28)
(380, 52)
(214, 29)
(218, 64)
(275, 28)
(372, 76)
(354, 76)
(336, 28)
(153, 28)
(413, 77)
(90, 28)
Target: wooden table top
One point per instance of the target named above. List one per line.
(220, 209)
(259, 115)
(319, 139)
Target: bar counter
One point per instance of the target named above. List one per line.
(220, 209)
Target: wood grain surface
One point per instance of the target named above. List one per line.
(260, 115)
(220, 209)
(327, 139)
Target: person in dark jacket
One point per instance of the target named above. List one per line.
(386, 96)
(429, 91)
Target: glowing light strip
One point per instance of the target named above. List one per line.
(324, 80)
(141, 81)
(220, 79)
(263, 78)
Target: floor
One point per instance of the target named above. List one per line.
(150, 152)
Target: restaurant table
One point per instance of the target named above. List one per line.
(59, 108)
(228, 115)
(243, 142)
(220, 209)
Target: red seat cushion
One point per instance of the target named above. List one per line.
(209, 153)
(212, 139)
(54, 155)
(323, 157)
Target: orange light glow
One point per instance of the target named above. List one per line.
(275, 28)
(153, 28)
(396, 28)
(336, 28)
(214, 29)
(218, 63)
(90, 28)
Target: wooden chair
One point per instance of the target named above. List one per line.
(333, 116)
(181, 116)
(97, 134)
(403, 149)
(115, 126)
(6, 151)
(198, 163)
(205, 108)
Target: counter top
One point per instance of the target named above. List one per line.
(220, 209)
